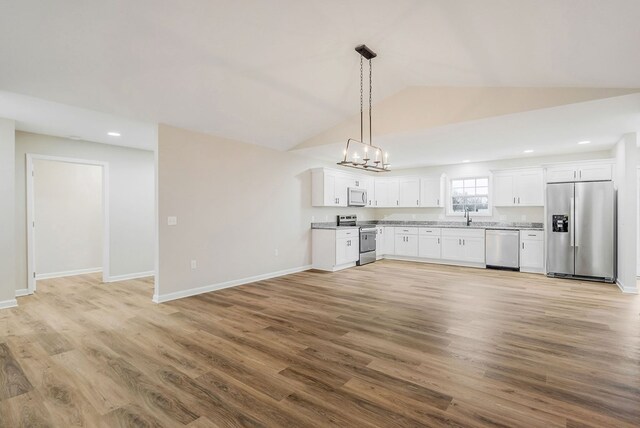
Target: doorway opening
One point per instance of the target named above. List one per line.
(67, 218)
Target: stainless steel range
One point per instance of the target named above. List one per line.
(367, 238)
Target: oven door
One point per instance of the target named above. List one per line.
(367, 241)
(356, 197)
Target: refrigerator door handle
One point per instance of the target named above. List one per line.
(575, 222)
(572, 217)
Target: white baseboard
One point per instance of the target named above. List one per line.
(628, 290)
(208, 288)
(5, 304)
(68, 273)
(128, 276)
(436, 261)
(22, 292)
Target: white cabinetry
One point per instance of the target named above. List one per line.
(387, 192)
(463, 245)
(406, 240)
(523, 187)
(409, 192)
(532, 251)
(333, 249)
(429, 246)
(329, 188)
(579, 172)
(432, 191)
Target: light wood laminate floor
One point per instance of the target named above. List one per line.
(388, 344)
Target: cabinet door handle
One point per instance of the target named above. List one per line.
(397, 202)
(518, 199)
(514, 199)
(438, 240)
(437, 201)
(523, 245)
(459, 241)
(463, 242)
(580, 174)
(417, 202)
(574, 174)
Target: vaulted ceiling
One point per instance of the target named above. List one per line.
(279, 73)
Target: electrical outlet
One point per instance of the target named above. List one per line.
(194, 264)
(276, 252)
(172, 221)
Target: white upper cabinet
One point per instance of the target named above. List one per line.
(329, 187)
(369, 184)
(409, 192)
(432, 191)
(387, 192)
(522, 187)
(579, 172)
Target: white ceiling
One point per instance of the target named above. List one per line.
(49, 118)
(276, 73)
(547, 131)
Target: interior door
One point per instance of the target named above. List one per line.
(594, 229)
(560, 228)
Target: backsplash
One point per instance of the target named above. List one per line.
(504, 214)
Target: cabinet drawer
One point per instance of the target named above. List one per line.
(477, 233)
(347, 233)
(532, 235)
(429, 231)
(407, 230)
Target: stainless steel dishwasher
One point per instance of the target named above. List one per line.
(503, 249)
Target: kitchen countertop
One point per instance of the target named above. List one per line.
(488, 225)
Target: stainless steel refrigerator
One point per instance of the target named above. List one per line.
(581, 230)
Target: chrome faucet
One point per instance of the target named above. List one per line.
(467, 216)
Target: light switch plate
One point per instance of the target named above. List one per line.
(194, 264)
(172, 221)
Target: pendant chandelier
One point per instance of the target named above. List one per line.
(358, 153)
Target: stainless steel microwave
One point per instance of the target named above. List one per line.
(356, 197)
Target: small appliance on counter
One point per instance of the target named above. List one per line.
(367, 238)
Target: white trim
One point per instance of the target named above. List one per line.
(233, 283)
(31, 258)
(68, 273)
(6, 304)
(156, 207)
(128, 276)
(23, 292)
(626, 290)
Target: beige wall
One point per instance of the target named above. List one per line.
(236, 204)
(7, 214)
(509, 214)
(131, 200)
(68, 213)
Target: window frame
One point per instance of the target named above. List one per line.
(449, 207)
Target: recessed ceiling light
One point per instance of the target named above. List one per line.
(466, 161)
(528, 151)
(113, 134)
(584, 142)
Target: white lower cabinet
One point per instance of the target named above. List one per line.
(389, 244)
(335, 249)
(406, 241)
(429, 245)
(532, 251)
(463, 245)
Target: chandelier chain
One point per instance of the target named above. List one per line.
(370, 90)
(361, 99)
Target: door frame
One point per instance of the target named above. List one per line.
(31, 256)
